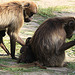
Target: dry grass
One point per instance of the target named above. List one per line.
(49, 3)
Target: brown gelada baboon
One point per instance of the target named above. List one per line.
(48, 42)
(27, 55)
(12, 16)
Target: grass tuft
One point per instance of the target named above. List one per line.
(49, 12)
(71, 65)
(46, 12)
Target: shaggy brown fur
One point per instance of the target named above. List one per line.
(48, 43)
(12, 16)
(27, 55)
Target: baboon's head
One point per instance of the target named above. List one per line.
(70, 27)
(27, 43)
(29, 11)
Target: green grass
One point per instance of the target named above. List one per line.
(71, 65)
(46, 12)
(32, 69)
(49, 12)
(71, 73)
(3, 61)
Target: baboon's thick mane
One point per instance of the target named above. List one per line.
(7, 6)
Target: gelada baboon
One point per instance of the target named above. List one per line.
(2, 34)
(12, 17)
(27, 55)
(48, 42)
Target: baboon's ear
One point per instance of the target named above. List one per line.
(27, 5)
(71, 23)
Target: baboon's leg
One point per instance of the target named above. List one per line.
(3, 46)
(5, 49)
(13, 37)
(12, 45)
(19, 40)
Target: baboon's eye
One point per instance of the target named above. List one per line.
(31, 14)
(27, 5)
(71, 23)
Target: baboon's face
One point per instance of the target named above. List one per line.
(29, 11)
(70, 28)
(26, 44)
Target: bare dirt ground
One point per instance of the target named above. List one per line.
(31, 28)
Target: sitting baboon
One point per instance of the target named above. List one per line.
(48, 42)
(2, 34)
(12, 16)
(27, 55)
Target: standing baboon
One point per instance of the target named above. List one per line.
(12, 16)
(2, 34)
(48, 43)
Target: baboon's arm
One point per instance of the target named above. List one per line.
(65, 46)
(20, 41)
